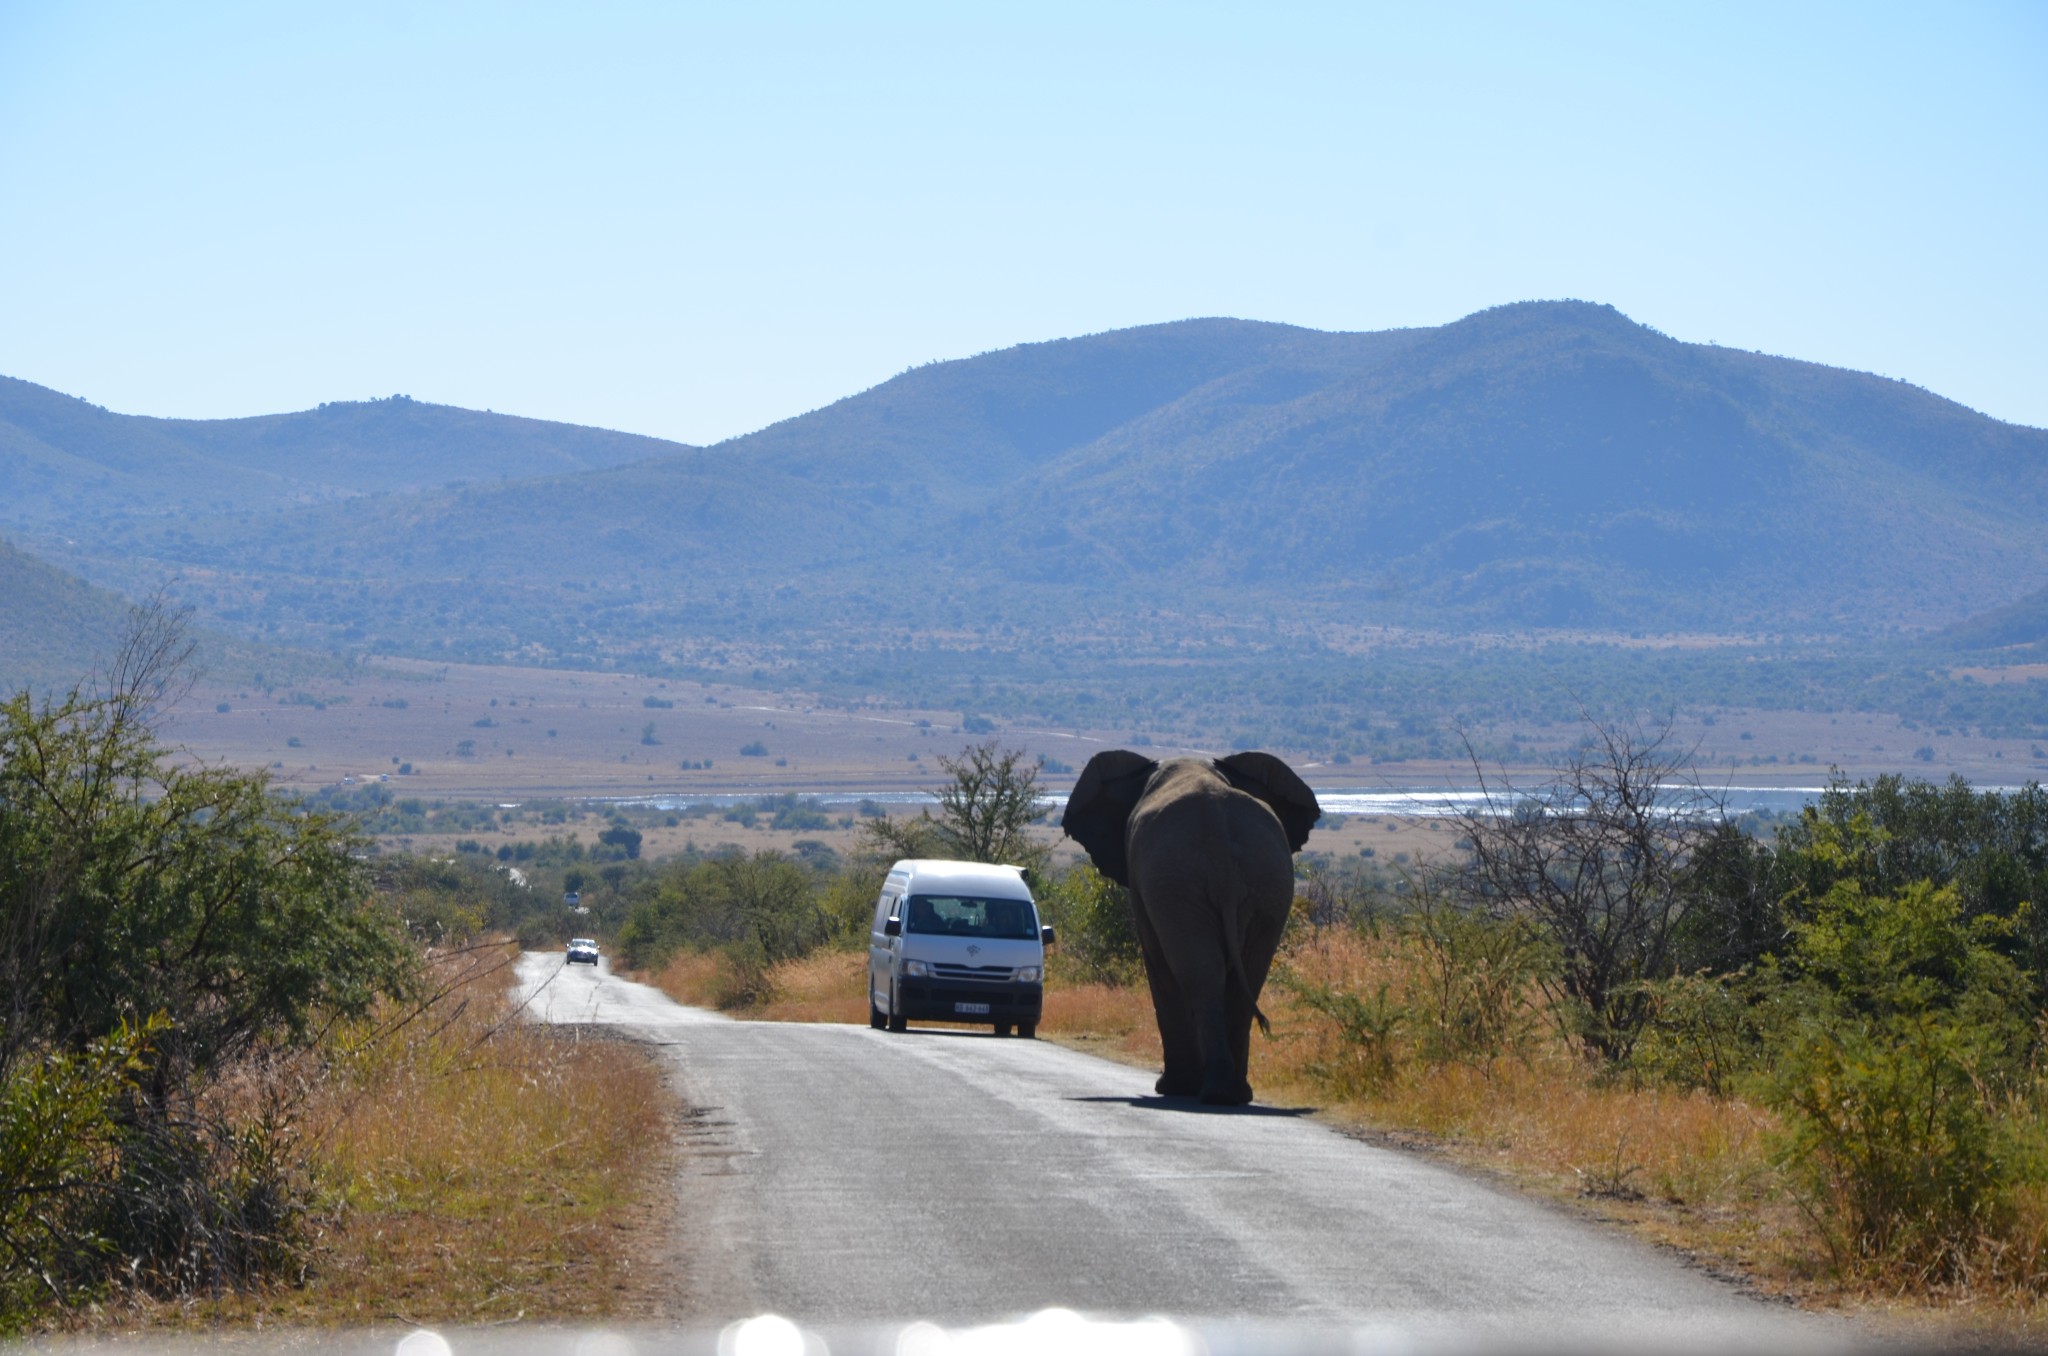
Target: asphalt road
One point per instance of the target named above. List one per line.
(853, 1177)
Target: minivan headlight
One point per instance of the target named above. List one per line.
(1030, 974)
(916, 970)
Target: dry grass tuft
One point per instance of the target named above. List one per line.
(825, 986)
(1110, 1020)
(698, 978)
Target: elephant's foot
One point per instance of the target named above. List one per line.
(1227, 1094)
(1170, 1086)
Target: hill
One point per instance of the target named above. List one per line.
(2023, 623)
(960, 434)
(54, 627)
(57, 631)
(1541, 465)
(64, 460)
(1555, 464)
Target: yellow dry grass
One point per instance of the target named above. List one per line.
(824, 986)
(698, 978)
(475, 1168)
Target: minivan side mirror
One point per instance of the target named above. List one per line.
(893, 928)
(1045, 935)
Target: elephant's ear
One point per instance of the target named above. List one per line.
(1100, 808)
(1272, 781)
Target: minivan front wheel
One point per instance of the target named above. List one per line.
(875, 1017)
(897, 1021)
(1028, 1030)
(1002, 1028)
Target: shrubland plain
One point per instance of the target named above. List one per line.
(501, 733)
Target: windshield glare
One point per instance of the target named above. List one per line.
(957, 916)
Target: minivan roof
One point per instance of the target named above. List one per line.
(979, 878)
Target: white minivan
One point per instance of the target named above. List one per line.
(956, 942)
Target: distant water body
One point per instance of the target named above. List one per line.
(1420, 804)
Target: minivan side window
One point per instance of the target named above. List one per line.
(885, 908)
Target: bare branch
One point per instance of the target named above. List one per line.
(153, 668)
(1596, 857)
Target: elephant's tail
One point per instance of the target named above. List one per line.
(1234, 954)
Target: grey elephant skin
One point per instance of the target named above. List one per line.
(1206, 847)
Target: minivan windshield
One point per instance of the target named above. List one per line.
(960, 916)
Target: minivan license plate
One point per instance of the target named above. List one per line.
(976, 1008)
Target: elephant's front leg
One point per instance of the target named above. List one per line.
(1182, 1076)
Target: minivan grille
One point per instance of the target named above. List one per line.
(985, 973)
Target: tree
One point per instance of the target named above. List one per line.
(985, 810)
(885, 838)
(1893, 831)
(760, 910)
(160, 922)
(132, 885)
(984, 813)
(1597, 857)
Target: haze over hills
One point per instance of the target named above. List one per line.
(1201, 491)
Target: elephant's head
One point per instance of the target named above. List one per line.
(1114, 782)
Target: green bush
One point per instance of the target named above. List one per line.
(1096, 940)
(761, 910)
(1472, 1002)
(846, 899)
(59, 1143)
(1702, 1032)
(1891, 832)
(622, 837)
(1891, 1138)
(1899, 1041)
(1368, 1030)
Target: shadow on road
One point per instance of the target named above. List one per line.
(1189, 1106)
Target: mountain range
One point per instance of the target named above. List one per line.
(1536, 467)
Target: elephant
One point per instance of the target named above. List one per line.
(1206, 847)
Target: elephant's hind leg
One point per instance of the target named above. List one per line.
(1182, 1076)
(1261, 940)
(1223, 1080)
(1216, 1003)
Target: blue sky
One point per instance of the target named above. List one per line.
(692, 220)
